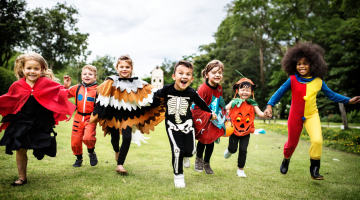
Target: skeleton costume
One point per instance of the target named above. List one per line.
(179, 122)
(123, 105)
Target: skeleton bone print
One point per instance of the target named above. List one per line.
(177, 106)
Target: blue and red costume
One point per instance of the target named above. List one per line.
(303, 111)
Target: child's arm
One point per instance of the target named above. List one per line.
(202, 105)
(259, 112)
(228, 106)
(276, 97)
(337, 97)
(354, 100)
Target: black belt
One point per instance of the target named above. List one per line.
(83, 114)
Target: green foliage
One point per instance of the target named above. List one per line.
(7, 78)
(344, 140)
(353, 116)
(105, 66)
(332, 118)
(13, 29)
(55, 36)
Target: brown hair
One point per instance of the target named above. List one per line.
(20, 62)
(184, 63)
(91, 68)
(211, 65)
(313, 54)
(125, 58)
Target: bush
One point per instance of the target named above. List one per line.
(332, 118)
(353, 116)
(7, 77)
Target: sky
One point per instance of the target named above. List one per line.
(148, 30)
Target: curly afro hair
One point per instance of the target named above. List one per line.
(313, 54)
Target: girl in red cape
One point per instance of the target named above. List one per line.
(206, 130)
(30, 109)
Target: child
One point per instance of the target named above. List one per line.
(31, 108)
(305, 65)
(179, 124)
(124, 104)
(242, 114)
(206, 131)
(83, 131)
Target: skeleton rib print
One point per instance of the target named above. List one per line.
(177, 106)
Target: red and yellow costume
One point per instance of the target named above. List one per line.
(82, 130)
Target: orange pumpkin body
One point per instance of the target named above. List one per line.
(242, 118)
(229, 129)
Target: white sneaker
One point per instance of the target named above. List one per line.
(240, 173)
(179, 181)
(227, 154)
(186, 162)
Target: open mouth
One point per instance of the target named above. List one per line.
(183, 82)
(242, 125)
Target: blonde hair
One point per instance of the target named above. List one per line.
(20, 62)
(91, 68)
(211, 65)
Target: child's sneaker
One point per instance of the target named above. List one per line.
(240, 173)
(179, 181)
(227, 154)
(186, 162)
(199, 165)
(77, 163)
(93, 159)
(207, 168)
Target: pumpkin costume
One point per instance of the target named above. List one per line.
(123, 105)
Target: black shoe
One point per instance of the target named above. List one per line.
(19, 184)
(314, 170)
(77, 163)
(284, 165)
(93, 159)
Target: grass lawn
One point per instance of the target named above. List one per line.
(150, 173)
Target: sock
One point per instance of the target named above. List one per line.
(79, 157)
(90, 151)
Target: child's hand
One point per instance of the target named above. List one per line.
(213, 116)
(67, 81)
(268, 111)
(354, 100)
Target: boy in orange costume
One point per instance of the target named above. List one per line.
(83, 131)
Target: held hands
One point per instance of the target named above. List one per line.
(213, 116)
(354, 100)
(67, 81)
(268, 111)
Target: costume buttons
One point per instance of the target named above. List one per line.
(303, 118)
(306, 98)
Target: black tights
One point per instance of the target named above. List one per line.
(243, 142)
(208, 152)
(125, 145)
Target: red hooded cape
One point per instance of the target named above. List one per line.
(48, 93)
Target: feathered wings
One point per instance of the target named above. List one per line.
(127, 102)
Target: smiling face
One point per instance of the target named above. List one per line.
(214, 76)
(303, 67)
(32, 71)
(88, 76)
(183, 77)
(244, 92)
(124, 69)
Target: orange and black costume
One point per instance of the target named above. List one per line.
(124, 104)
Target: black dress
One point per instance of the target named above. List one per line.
(30, 128)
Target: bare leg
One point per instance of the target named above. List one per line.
(21, 161)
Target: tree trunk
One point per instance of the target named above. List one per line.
(262, 67)
(343, 115)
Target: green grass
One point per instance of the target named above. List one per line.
(150, 173)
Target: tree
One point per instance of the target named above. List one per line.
(13, 29)
(55, 36)
(105, 67)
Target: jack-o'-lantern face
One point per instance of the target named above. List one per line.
(242, 118)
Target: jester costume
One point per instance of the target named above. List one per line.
(179, 122)
(29, 115)
(303, 111)
(82, 130)
(207, 131)
(124, 104)
(242, 115)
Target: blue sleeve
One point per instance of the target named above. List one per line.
(280, 93)
(333, 95)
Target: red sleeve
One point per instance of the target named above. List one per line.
(72, 91)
